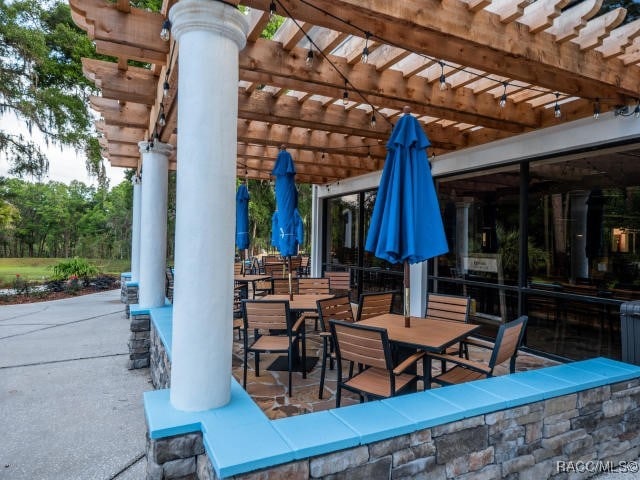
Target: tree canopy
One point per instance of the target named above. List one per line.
(42, 84)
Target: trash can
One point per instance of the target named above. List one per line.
(630, 331)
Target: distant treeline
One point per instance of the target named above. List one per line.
(57, 220)
(63, 221)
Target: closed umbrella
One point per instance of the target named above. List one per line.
(406, 225)
(242, 219)
(287, 223)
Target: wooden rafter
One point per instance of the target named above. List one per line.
(536, 49)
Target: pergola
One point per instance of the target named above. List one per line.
(472, 71)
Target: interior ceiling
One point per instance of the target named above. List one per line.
(540, 52)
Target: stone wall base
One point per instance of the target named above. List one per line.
(139, 341)
(599, 427)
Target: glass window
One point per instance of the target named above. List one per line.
(342, 232)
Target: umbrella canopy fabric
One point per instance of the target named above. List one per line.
(242, 217)
(286, 221)
(406, 225)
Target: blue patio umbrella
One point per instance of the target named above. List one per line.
(406, 225)
(286, 221)
(242, 217)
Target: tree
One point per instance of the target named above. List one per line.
(41, 83)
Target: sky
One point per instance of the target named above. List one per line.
(65, 164)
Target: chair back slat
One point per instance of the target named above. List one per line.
(315, 286)
(337, 308)
(374, 304)
(339, 281)
(508, 340)
(361, 345)
(277, 270)
(237, 268)
(280, 286)
(266, 315)
(448, 307)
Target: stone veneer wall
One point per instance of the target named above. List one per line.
(523, 443)
(139, 341)
(128, 294)
(159, 362)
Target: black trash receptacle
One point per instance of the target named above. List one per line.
(630, 331)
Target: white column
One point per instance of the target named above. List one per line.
(316, 231)
(210, 35)
(153, 223)
(418, 294)
(135, 229)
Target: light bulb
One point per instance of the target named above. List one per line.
(503, 100)
(556, 111)
(345, 98)
(636, 111)
(166, 30)
(443, 83)
(165, 88)
(162, 121)
(309, 57)
(373, 120)
(365, 54)
(272, 10)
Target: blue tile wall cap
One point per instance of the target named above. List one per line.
(315, 434)
(374, 421)
(126, 274)
(131, 284)
(165, 421)
(470, 400)
(425, 409)
(136, 309)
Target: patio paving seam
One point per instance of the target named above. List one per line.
(36, 364)
(61, 324)
(129, 465)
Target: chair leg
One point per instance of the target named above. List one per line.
(323, 367)
(290, 360)
(244, 372)
(338, 396)
(256, 357)
(304, 356)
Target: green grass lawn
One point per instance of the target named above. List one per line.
(38, 270)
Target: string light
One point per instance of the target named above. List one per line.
(556, 109)
(596, 109)
(503, 98)
(166, 30)
(373, 119)
(365, 50)
(162, 119)
(345, 95)
(310, 57)
(443, 79)
(165, 88)
(272, 10)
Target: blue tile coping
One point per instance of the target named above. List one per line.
(239, 438)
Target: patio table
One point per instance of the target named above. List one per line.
(429, 334)
(250, 279)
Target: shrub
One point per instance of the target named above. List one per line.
(78, 267)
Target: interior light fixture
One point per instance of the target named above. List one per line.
(365, 50)
(503, 98)
(556, 109)
(443, 79)
(166, 30)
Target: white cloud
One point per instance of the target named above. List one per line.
(65, 164)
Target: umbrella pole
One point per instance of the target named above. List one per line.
(290, 289)
(407, 318)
